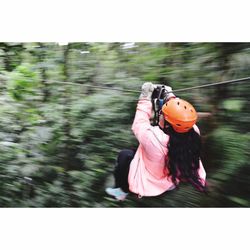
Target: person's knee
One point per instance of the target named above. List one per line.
(125, 154)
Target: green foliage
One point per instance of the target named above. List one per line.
(233, 105)
(59, 142)
(22, 82)
(231, 149)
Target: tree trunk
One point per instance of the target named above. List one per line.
(6, 59)
(42, 57)
(66, 111)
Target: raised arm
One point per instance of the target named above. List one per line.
(142, 119)
(141, 125)
(143, 112)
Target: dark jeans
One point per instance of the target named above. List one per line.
(122, 169)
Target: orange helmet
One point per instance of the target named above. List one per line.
(180, 114)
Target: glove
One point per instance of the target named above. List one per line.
(146, 91)
(169, 92)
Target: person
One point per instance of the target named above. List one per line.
(167, 154)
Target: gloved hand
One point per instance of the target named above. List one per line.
(169, 93)
(146, 91)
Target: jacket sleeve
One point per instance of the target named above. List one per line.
(202, 173)
(201, 170)
(141, 124)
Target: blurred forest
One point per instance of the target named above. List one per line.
(59, 141)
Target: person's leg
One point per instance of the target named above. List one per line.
(122, 169)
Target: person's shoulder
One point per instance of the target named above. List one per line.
(160, 134)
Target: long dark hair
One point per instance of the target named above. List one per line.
(184, 151)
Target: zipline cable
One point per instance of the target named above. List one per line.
(95, 87)
(136, 91)
(214, 84)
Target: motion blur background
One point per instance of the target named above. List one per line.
(59, 141)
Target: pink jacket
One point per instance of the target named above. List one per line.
(148, 175)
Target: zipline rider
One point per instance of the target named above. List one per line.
(168, 153)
